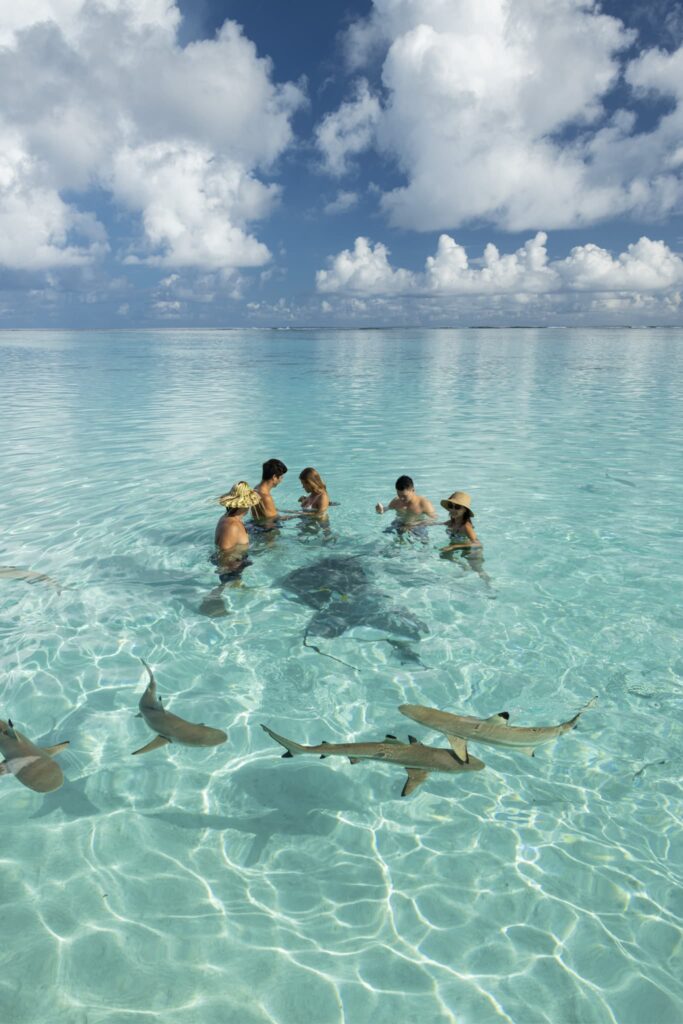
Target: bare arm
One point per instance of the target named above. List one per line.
(471, 542)
(427, 508)
(393, 504)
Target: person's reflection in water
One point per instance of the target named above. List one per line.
(232, 543)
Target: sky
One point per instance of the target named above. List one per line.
(231, 163)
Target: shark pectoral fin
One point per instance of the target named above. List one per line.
(500, 718)
(158, 741)
(352, 760)
(288, 753)
(416, 777)
(411, 739)
(56, 748)
(459, 748)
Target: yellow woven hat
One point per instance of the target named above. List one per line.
(458, 498)
(240, 496)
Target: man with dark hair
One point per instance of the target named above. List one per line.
(410, 508)
(272, 474)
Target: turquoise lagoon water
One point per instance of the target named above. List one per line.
(225, 884)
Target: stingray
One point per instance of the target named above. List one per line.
(340, 591)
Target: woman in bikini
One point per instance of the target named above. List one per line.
(459, 522)
(316, 500)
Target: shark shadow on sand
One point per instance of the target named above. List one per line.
(340, 592)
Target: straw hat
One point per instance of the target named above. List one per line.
(240, 496)
(458, 498)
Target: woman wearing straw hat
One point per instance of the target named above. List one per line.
(231, 538)
(459, 522)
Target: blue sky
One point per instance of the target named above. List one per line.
(439, 162)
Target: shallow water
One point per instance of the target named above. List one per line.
(226, 884)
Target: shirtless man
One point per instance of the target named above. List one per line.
(273, 473)
(410, 508)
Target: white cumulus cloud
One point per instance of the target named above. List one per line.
(349, 130)
(493, 110)
(645, 267)
(98, 94)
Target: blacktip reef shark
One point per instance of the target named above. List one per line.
(33, 766)
(417, 759)
(15, 572)
(170, 728)
(494, 730)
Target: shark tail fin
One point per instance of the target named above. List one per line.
(290, 746)
(149, 671)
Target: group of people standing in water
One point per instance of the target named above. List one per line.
(413, 512)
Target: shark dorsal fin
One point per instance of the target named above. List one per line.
(459, 748)
(416, 777)
(500, 718)
(411, 739)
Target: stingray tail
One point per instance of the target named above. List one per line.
(314, 647)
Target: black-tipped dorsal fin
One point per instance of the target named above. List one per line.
(501, 717)
(389, 736)
(416, 777)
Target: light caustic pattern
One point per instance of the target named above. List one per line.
(218, 884)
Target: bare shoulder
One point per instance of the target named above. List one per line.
(226, 532)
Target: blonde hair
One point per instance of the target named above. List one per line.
(312, 477)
